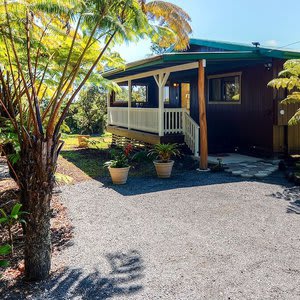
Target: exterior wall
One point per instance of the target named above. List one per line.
(254, 126)
(247, 126)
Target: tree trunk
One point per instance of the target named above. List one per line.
(37, 238)
(36, 170)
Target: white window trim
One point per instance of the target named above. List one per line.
(221, 76)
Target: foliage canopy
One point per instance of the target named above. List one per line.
(289, 78)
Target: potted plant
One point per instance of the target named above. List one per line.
(119, 165)
(163, 163)
(83, 141)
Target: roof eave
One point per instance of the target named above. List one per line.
(184, 57)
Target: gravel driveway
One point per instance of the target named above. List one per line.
(195, 236)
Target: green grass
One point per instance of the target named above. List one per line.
(103, 141)
(91, 160)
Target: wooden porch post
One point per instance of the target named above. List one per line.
(161, 80)
(160, 106)
(129, 101)
(202, 116)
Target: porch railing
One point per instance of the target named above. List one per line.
(117, 116)
(176, 121)
(191, 134)
(173, 120)
(145, 119)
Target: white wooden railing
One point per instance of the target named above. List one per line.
(145, 119)
(117, 116)
(191, 133)
(176, 121)
(173, 120)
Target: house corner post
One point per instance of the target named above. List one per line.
(202, 116)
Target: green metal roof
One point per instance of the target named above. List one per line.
(266, 51)
(222, 45)
(230, 52)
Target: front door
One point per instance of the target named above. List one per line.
(185, 96)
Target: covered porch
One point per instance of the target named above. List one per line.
(166, 112)
(162, 115)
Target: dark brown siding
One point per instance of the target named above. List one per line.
(247, 126)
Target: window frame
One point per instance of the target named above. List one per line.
(224, 75)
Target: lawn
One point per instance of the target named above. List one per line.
(91, 160)
(101, 141)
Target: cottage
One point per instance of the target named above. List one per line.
(213, 96)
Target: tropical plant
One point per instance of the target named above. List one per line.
(10, 219)
(67, 43)
(289, 78)
(164, 152)
(120, 159)
(170, 22)
(88, 114)
(4, 250)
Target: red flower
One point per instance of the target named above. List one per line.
(128, 149)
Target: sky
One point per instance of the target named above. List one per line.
(271, 22)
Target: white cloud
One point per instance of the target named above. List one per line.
(271, 43)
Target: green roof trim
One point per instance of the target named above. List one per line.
(230, 46)
(222, 45)
(194, 56)
(181, 58)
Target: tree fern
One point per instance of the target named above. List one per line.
(289, 78)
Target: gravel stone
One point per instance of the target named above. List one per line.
(193, 236)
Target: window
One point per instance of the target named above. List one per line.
(225, 88)
(122, 95)
(139, 94)
(167, 94)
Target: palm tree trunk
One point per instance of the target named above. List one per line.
(37, 238)
(37, 172)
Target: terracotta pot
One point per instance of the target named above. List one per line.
(119, 175)
(163, 169)
(83, 141)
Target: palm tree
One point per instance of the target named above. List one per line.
(169, 19)
(67, 43)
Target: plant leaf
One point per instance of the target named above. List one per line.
(16, 210)
(5, 249)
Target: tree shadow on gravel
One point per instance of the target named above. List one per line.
(123, 279)
(292, 196)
